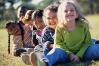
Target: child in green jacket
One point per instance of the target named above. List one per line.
(72, 36)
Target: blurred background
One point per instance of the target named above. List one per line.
(8, 8)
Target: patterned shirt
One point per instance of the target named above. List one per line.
(28, 41)
(17, 42)
(48, 35)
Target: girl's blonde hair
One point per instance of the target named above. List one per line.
(60, 13)
(28, 16)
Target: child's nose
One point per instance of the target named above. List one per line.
(69, 12)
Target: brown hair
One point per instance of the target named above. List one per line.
(12, 24)
(21, 11)
(37, 13)
(52, 8)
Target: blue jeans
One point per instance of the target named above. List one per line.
(60, 55)
(92, 53)
(93, 40)
(46, 51)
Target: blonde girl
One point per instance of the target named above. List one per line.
(72, 36)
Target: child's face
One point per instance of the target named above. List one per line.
(70, 13)
(51, 19)
(30, 22)
(39, 24)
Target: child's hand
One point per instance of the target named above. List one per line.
(74, 58)
(50, 46)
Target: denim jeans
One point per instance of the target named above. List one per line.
(92, 53)
(60, 55)
(93, 40)
(46, 51)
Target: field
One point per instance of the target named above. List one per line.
(9, 60)
(5, 58)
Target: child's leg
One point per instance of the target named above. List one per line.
(93, 41)
(97, 42)
(26, 59)
(46, 51)
(33, 59)
(57, 56)
(92, 52)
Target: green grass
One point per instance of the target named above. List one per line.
(2, 23)
(5, 58)
(94, 25)
(9, 60)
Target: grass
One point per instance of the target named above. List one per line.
(2, 23)
(94, 25)
(5, 58)
(9, 60)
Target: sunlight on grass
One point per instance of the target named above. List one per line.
(5, 58)
(94, 25)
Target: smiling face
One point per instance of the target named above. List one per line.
(70, 13)
(51, 19)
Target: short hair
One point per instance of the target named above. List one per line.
(21, 11)
(37, 13)
(52, 8)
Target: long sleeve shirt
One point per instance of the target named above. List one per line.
(76, 41)
(17, 42)
(28, 41)
(48, 36)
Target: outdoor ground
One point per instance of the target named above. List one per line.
(9, 60)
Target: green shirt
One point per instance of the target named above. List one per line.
(76, 41)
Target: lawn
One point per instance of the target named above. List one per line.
(94, 25)
(5, 58)
(9, 60)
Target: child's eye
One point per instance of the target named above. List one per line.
(66, 11)
(49, 18)
(72, 10)
(69, 10)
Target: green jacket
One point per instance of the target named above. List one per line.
(76, 41)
